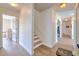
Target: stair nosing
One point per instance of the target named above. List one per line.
(38, 45)
(36, 41)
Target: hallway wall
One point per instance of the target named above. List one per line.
(25, 28)
(77, 25)
(36, 21)
(47, 25)
(1, 41)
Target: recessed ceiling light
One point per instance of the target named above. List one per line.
(14, 4)
(62, 5)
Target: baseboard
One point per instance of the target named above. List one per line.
(50, 46)
(38, 45)
(47, 45)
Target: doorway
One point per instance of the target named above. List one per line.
(58, 31)
(9, 28)
(67, 27)
(64, 33)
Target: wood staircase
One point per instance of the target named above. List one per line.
(37, 41)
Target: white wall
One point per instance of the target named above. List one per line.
(1, 41)
(74, 30)
(25, 28)
(36, 21)
(77, 26)
(47, 27)
(65, 13)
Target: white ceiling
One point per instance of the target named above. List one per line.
(38, 6)
(44, 6)
(7, 6)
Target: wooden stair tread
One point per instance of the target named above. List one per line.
(37, 43)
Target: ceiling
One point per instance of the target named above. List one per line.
(38, 6)
(43, 6)
(7, 6)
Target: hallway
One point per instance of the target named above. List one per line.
(11, 48)
(64, 43)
